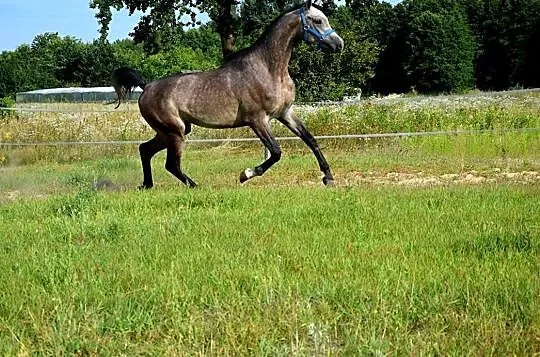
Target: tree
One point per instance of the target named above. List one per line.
(426, 45)
(505, 33)
(204, 38)
(531, 67)
(15, 74)
(176, 60)
(385, 25)
(163, 19)
(28, 67)
(128, 53)
(440, 52)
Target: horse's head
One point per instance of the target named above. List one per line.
(317, 29)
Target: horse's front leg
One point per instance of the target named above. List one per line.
(262, 129)
(292, 122)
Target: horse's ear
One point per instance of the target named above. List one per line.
(308, 4)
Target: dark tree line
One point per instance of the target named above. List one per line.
(452, 45)
(428, 46)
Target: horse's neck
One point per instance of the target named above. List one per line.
(277, 47)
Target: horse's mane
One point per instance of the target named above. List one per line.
(262, 38)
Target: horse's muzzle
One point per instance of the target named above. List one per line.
(332, 43)
(339, 44)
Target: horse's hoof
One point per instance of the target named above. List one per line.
(144, 187)
(246, 175)
(243, 177)
(328, 181)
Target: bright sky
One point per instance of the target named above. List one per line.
(22, 20)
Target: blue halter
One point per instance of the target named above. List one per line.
(313, 30)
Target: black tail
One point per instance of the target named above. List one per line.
(124, 80)
(128, 78)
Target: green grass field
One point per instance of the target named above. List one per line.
(273, 271)
(426, 246)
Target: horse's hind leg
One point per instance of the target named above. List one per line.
(147, 150)
(263, 131)
(175, 147)
(297, 127)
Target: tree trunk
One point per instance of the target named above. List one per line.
(225, 28)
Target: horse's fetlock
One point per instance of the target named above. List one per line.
(171, 167)
(259, 171)
(276, 154)
(146, 186)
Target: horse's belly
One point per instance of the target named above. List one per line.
(213, 115)
(216, 123)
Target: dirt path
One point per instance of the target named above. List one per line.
(420, 179)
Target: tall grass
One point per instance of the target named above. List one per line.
(88, 122)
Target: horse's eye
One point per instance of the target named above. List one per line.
(315, 21)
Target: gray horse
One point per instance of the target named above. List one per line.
(252, 87)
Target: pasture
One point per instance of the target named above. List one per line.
(427, 245)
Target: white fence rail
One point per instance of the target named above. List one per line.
(280, 138)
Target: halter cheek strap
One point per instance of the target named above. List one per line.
(313, 30)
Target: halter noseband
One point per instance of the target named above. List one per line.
(313, 30)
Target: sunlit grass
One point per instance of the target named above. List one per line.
(280, 270)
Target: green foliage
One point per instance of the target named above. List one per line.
(314, 74)
(162, 21)
(504, 43)
(128, 53)
(6, 102)
(25, 69)
(176, 60)
(325, 76)
(205, 39)
(358, 59)
(53, 61)
(507, 33)
(440, 52)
